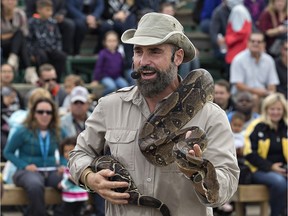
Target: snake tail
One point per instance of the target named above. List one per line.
(147, 201)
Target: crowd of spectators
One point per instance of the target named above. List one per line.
(248, 37)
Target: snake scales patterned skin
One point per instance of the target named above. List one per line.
(162, 140)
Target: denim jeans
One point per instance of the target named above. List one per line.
(277, 185)
(111, 85)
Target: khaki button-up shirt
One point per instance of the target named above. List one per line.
(116, 122)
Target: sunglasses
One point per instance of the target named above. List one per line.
(256, 41)
(48, 80)
(42, 112)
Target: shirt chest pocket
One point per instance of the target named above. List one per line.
(122, 146)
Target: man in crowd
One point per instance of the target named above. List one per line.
(254, 71)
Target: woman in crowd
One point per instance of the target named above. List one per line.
(37, 141)
(266, 150)
(14, 29)
(273, 23)
(6, 80)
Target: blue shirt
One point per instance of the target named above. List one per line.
(27, 142)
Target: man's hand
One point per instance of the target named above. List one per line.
(99, 183)
(195, 152)
(91, 22)
(278, 167)
(59, 18)
(120, 15)
(31, 167)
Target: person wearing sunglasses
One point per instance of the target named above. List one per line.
(48, 80)
(37, 140)
(253, 70)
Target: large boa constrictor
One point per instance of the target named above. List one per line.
(162, 140)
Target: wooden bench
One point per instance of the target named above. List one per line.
(251, 194)
(13, 195)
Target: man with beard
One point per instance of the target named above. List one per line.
(160, 46)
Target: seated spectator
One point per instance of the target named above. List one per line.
(70, 82)
(48, 80)
(86, 16)
(15, 122)
(66, 25)
(254, 71)
(74, 122)
(9, 104)
(74, 197)
(206, 13)
(266, 151)
(244, 104)
(14, 30)
(109, 68)
(36, 140)
(44, 39)
(18, 117)
(272, 23)
(255, 8)
(185, 68)
(217, 29)
(11, 101)
(237, 122)
(119, 15)
(6, 79)
(238, 31)
(222, 96)
(281, 67)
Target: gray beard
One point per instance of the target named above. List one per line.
(151, 88)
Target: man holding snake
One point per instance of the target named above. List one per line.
(116, 124)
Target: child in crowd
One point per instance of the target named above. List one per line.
(237, 124)
(73, 196)
(70, 82)
(9, 104)
(44, 39)
(109, 68)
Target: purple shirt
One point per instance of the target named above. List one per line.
(108, 65)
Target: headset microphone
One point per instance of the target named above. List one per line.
(135, 75)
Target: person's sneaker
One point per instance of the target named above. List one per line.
(31, 75)
(13, 60)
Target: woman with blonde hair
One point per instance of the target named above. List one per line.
(37, 140)
(266, 150)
